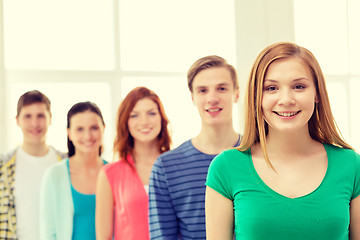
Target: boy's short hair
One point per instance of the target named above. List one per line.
(210, 62)
(32, 97)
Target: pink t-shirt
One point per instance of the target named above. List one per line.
(130, 201)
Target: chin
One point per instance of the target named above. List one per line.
(37, 139)
(218, 121)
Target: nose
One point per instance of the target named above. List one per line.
(87, 134)
(213, 97)
(34, 122)
(144, 119)
(286, 98)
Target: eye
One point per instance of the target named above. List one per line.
(202, 90)
(152, 113)
(79, 129)
(270, 88)
(222, 89)
(133, 115)
(299, 86)
(95, 127)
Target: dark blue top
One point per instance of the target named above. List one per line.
(177, 193)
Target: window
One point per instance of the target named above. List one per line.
(173, 34)
(59, 35)
(100, 50)
(334, 42)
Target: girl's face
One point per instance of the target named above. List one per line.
(145, 121)
(86, 132)
(289, 96)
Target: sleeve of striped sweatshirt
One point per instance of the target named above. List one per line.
(162, 218)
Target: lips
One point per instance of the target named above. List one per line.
(89, 144)
(35, 131)
(145, 130)
(211, 110)
(287, 114)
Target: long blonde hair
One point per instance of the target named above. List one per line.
(322, 125)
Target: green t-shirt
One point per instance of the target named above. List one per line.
(261, 213)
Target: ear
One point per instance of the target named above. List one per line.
(237, 95)
(192, 97)
(316, 99)
(17, 120)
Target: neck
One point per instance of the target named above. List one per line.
(145, 151)
(35, 149)
(284, 144)
(213, 140)
(86, 160)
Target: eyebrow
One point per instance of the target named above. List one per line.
(295, 80)
(152, 109)
(218, 85)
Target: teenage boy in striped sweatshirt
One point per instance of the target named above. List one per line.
(177, 181)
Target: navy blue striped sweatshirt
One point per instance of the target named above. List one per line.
(177, 194)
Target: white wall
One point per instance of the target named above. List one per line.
(2, 85)
(259, 24)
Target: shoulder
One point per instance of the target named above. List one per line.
(59, 153)
(113, 166)
(184, 150)
(341, 153)
(9, 156)
(7, 162)
(345, 161)
(58, 169)
(233, 153)
(116, 169)
(230, 158)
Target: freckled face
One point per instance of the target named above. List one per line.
(145, 121)
(289, 95)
